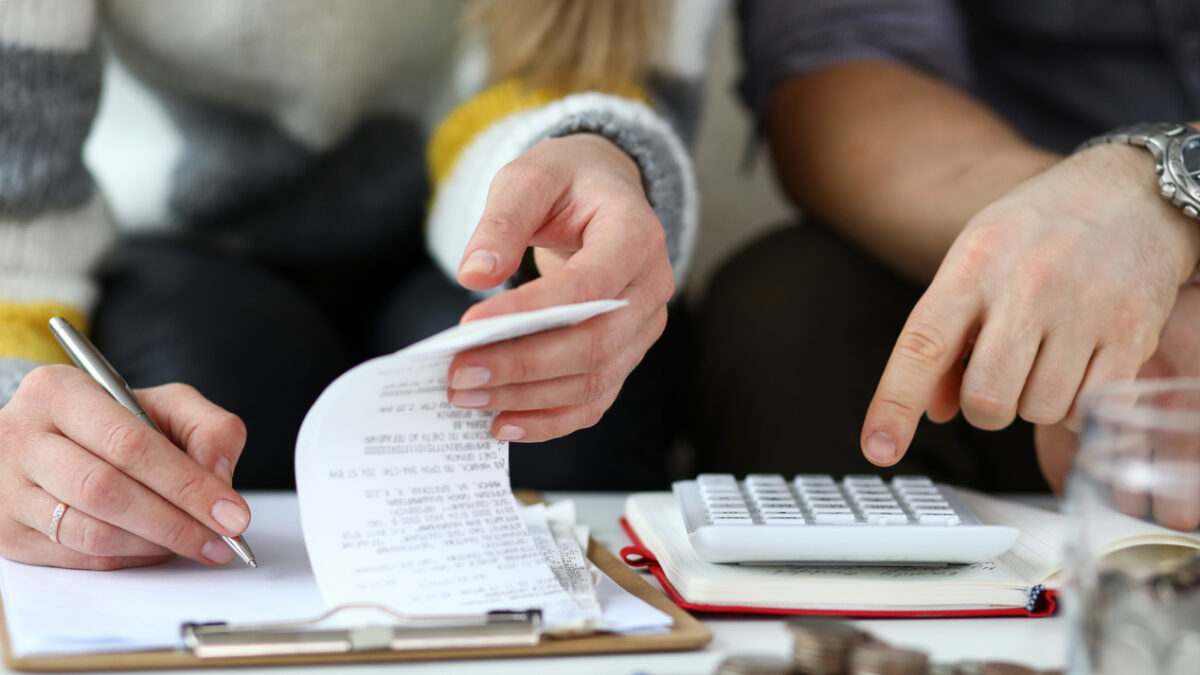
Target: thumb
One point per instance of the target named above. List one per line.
(522, 197)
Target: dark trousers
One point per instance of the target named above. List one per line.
(792, 340)
(262, 339)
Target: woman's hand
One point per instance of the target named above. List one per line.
(1064, 283)
(133, 497)
(579, 202)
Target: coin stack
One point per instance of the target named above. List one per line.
(753, 665)
(990, 668)
(876, 658)
(822, 646)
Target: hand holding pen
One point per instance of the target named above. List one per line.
(85, 483)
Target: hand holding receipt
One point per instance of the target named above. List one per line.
(83, 484)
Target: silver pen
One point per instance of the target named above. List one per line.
(91, 361)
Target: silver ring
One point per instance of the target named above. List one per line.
(55, 519)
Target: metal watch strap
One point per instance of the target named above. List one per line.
(1148, 135)
(1159, 138)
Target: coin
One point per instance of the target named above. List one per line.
(750, 664)
(880, 659)
(992, 668)
(821, 646)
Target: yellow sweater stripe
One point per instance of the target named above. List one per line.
(478, 113)
(24, 330)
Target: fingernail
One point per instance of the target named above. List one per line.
(470, 377)
(481, 261)
(510, 432)
(881, 448)
(224, 469)
(470, 398)
(217, 551)
(231, 516)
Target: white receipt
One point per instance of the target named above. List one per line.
(566, 560)
(405, 500)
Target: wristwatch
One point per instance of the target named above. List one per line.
(1176, 150)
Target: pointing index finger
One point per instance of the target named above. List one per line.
(928, 346)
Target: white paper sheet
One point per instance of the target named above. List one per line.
(405, 500)
(60, 612)
(56, 611)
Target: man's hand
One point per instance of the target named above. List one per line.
(579, 201)
(1061, 284)
(1178, 355)
(133, 496)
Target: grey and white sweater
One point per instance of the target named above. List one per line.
(301, 128)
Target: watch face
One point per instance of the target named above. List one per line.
(1191, 158)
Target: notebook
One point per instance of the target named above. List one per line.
(1023, 581)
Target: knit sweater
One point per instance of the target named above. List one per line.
(306, 129)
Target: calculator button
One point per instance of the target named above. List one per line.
(731, 521)
(767, 487)
(863, 479)
(920, 494)
(819, 490)
(784, 520)
(863, 494)
(930, 500)
(720, 493)
(938, 519)
(706, 488)
(826, 501)
(876, 518)
(779, 507)
(912, 481)
(765, 478)
(726, 508)
(934, 511)
(834, 518)
(820, 495)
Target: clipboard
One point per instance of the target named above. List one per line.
(686, 633)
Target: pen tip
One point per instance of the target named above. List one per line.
(254, 563)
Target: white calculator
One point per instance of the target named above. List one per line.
(815, 519)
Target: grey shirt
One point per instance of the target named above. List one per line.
(1060, 71)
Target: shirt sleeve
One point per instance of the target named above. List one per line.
(785, 38)
(53, 221)
(495, 127)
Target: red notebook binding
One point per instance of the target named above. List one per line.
(1042, 601)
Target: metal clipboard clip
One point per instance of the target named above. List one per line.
(402, 632)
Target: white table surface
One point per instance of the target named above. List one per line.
(1040, 643)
